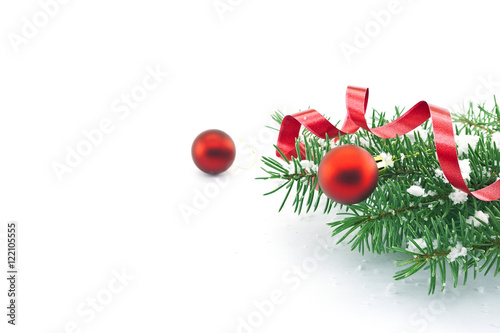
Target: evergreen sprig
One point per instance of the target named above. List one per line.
(436, 231)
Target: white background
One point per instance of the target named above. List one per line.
(119, 209)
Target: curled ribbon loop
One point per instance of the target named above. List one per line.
(356, 102)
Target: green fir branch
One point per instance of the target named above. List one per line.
(392, 219)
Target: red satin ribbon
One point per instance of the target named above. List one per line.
(356, 101)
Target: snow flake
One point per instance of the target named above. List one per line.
(278, 181)
(464, 140)
(431, 193)
(416, 191)
(495, 137)
(412, 135)
(305, 164)
(482, 216)
(457, 251)
(440, 174)
(420, 242)
(458, 197)
(478, 217)
(485, 172)
(387, 159)
(465, 168)
(363, 142)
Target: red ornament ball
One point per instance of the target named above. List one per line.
(348, 174)
(213, 151)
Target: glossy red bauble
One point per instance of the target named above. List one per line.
(348, 174)
(213, 151)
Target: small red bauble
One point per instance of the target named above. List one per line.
(348, 174)
(213, 151)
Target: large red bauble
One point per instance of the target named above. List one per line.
(213, 151)
(348, 174)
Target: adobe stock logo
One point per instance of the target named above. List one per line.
(225, 6)
(292, 278)
(122, 106)
(95, 305)
(30, 28)
(483, 92)
(364, 36)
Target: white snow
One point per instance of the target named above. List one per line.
(457, 251)
(482, 216)
(477, 218)
(431, 193)
(387, 159)
(458, 197)
(440, 174)
(420, 242)
(495, 137)
(423, 134)
(333, 143)
(465, 168)
(464, 140)
(416, 191)
(305, 164)
(363, 142)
